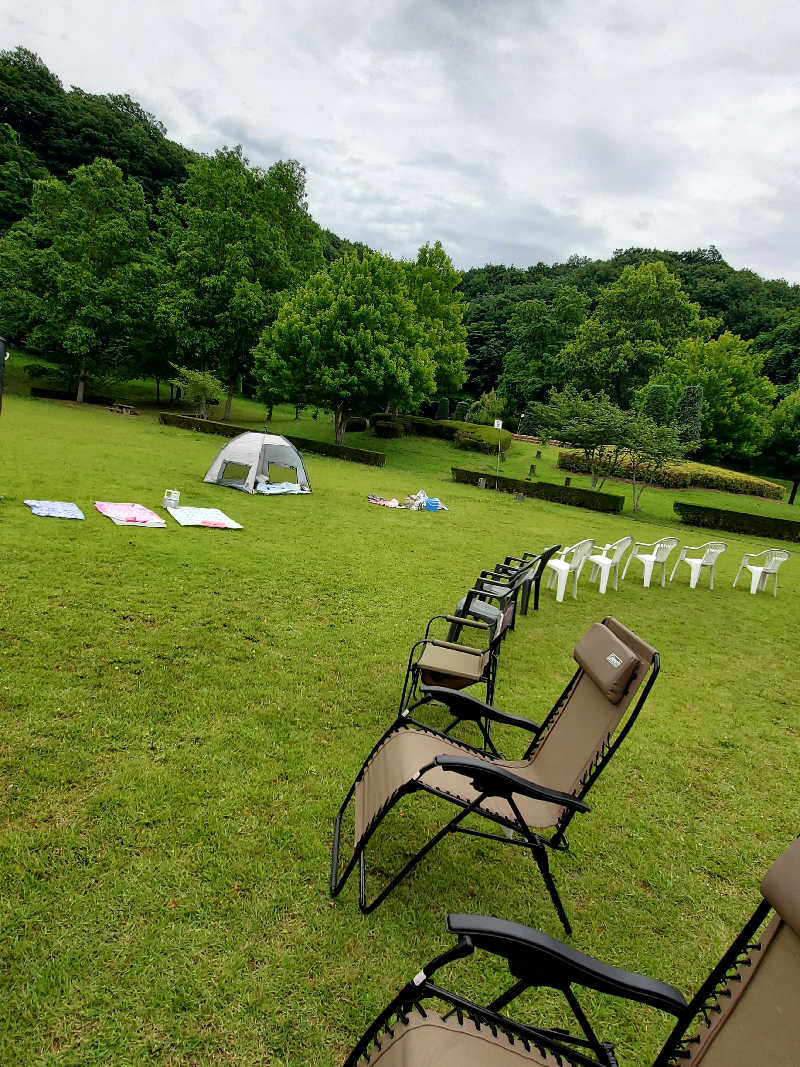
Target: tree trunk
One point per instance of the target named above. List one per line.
(158, 390)
(171, 393)
(793, 493)
(339, 422)
(269, 413)
(297, 409)
(228, 402)
(81, 382)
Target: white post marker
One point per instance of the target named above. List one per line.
(498, 425)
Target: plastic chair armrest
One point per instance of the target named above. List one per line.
(532, 953)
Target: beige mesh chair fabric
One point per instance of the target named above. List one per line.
(540, 791)
(755, 1018)
(434, 1041)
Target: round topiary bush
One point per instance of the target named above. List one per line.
(356, 423)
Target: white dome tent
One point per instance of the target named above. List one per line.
(244, 463)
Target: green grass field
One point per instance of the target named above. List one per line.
(184, 709)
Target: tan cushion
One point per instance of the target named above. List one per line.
(452, 659)
(781, 887)
(608, 662)
(438, 1042)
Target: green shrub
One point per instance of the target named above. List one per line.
(460, 413)
(449, 429)
(356, 423)
(687, 474)
(738, 522)
(305, 444)
(482, 439)
(559, 494)
(443, 409)
(389, 428)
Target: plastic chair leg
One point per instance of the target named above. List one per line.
(562, 585)
(694, 568)
(755, 579)
(604, 579)
(648, 571)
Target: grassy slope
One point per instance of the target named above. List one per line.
(182, 711)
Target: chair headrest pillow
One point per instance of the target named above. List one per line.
(607, 660)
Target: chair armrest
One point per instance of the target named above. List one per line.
(496, 576)
(469, 707)
(496, 781)
(455, 646)
(466, 622)
(547, 961)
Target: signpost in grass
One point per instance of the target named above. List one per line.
(498, 425)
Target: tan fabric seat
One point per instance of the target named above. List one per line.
(438, 1042)
(445, 663)
(756, 1020)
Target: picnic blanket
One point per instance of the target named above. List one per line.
(55, 509)
(128, 514)
(277, 488)
(203, 517)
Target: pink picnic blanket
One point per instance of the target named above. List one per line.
(128, 514)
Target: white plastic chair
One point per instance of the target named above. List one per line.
(604, 565)
(661, 550)
(760, 572)
(562, 568)
(712, 550)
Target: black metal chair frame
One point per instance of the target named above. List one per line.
(536, 960)
(489, 782)
(410, 683)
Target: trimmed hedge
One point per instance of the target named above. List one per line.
(356, 424)
(305, 444)
(389, 428)
(560, 494)
(688, 475)
(738, 522)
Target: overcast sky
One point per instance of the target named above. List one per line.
(512, 131)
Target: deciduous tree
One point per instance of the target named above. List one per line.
(349, 339)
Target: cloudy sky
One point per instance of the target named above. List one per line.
(513, 131)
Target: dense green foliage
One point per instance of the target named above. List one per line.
(735, 409)
(738, 522)
(60, 130)
(366, 332)
(783, 450)
(75, 271)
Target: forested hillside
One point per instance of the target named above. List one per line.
(499, 303)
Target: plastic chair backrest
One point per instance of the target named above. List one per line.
(773, 557)
(663, 548)
(580, 551)
(620, 548)
(713, 550)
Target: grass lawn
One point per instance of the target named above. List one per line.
(183, 710)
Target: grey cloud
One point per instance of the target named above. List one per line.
(513, 132)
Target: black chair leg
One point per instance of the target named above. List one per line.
(539, 851)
